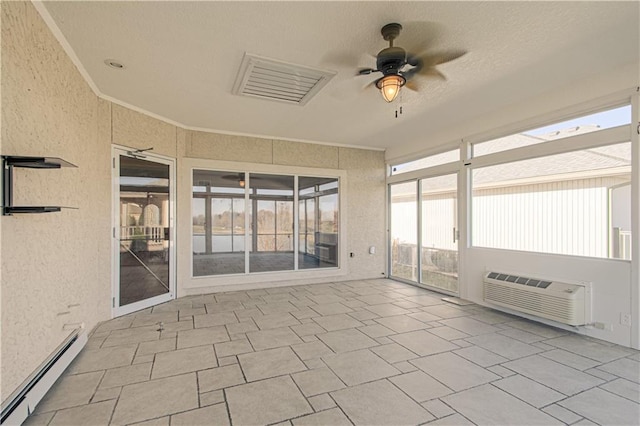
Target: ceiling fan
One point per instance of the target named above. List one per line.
(238, 177)
(399, 67)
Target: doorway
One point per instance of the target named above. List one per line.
(143, 234)
(424, 232)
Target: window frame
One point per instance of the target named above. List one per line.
(190, 282)
(467, 163)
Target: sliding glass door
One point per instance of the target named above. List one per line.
(439, 232)
(424, 232)
(404, 230)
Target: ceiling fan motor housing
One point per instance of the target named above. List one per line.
(391, 60)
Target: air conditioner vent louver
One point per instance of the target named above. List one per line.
(557, 301)
(279, 81)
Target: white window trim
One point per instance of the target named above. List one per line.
(612, 136)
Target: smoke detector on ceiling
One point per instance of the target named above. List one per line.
(275, 80)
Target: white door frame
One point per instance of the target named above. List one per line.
(116, 152)
(437, 171)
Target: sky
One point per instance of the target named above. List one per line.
(605, 119)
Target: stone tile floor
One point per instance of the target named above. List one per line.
(373, 352)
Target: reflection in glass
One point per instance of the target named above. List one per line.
(218, 223)
(144, 229)
(439, 251)
(404, 226)
(317, 222)
(271, 218)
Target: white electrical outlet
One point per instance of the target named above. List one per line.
(625, 319)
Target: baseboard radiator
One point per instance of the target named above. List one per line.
(23, 400)
(557, 301)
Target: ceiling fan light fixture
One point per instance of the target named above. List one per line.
(390, 85)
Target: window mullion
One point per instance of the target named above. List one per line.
(419, 230)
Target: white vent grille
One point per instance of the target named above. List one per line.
(279, 81)
(557, 301)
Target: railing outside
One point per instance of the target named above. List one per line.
(149, 238)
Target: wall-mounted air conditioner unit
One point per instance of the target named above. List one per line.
(558, 301)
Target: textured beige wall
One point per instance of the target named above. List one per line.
(214, 146)
(366, 211)
(49, 261)
(136, 130)
(305, 154)
(52, 262)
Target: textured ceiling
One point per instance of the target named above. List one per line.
(182, 59)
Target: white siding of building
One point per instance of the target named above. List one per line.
(567, 217)
(438, 220)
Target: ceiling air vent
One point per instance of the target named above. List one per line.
(279, 81)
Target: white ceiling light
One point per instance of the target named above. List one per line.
(279, 81)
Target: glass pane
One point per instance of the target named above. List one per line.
(318, 224)
(439, 249)
(404, 230)
(144, 229)
(585, 124)
(307, 226)
(576, 203)
(218, 222)
(284, 226)
(271, 199)
(237, 225)
(423, 163)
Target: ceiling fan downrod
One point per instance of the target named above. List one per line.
(390, 32)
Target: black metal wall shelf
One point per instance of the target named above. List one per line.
(8, 164)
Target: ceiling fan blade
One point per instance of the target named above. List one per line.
(365, 71)
(418, 36)
(368, 57)
(369, 85)
(432, 73)
(442, 57)
(413, 85)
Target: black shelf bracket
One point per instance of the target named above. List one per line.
(11, 161)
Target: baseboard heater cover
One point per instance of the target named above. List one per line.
(17, 407)
(563, 302)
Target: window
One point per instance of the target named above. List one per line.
(318, 222)
(575, 203)
(218, 232)
(433, 160)
(271, 218)
(244, 222)
(581, 125)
